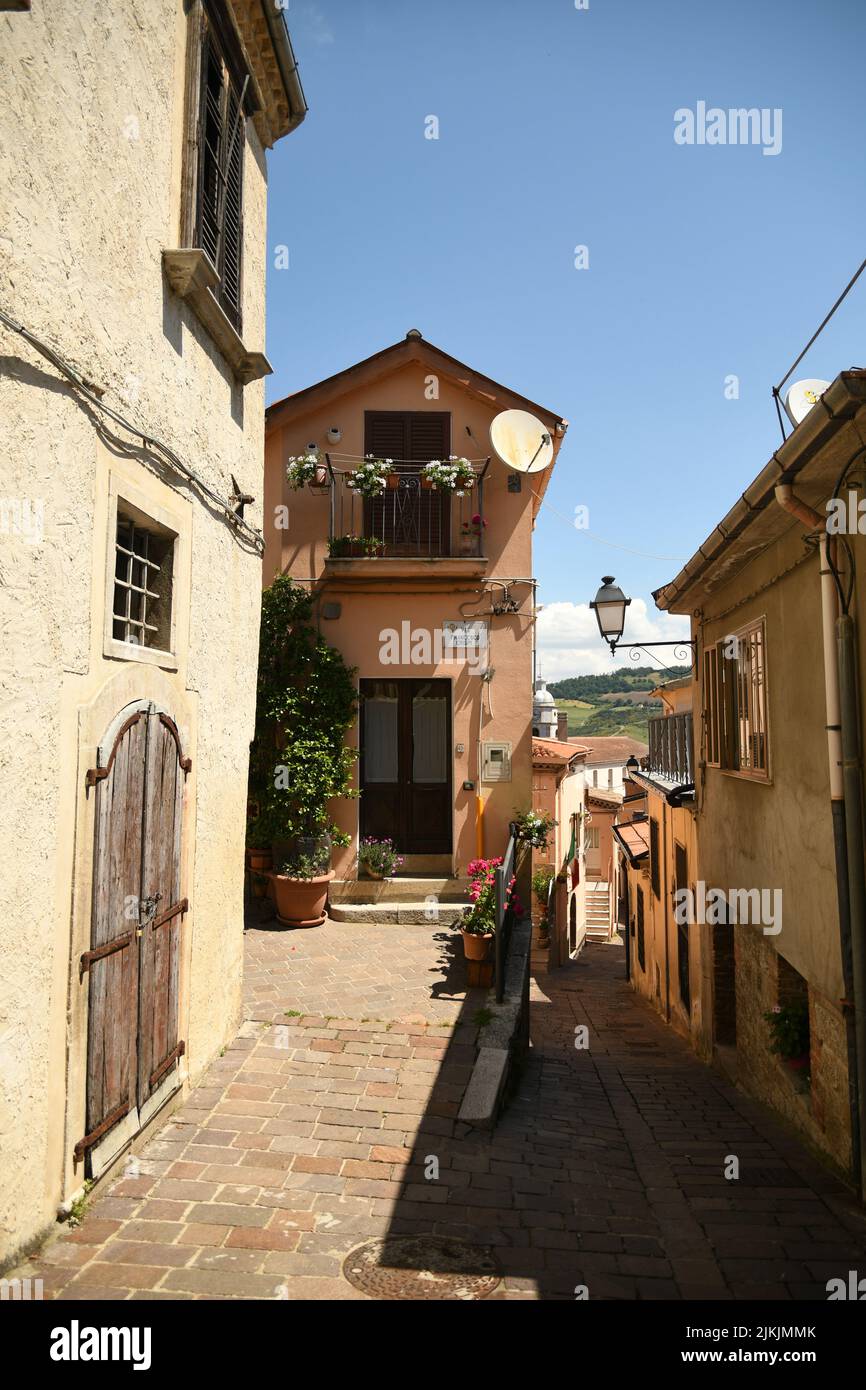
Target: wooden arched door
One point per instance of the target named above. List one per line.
(133, 962)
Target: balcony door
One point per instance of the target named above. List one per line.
(406, 764)
(411, 520)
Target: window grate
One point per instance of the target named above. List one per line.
(141, 609)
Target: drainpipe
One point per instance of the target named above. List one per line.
(846, 810)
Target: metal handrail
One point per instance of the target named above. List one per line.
(670, 747)
(503, 915)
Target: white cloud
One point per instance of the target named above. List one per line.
(568, 641)
(313, 24)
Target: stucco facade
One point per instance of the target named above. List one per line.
(766, 812)
(360, 601)
(101, 101)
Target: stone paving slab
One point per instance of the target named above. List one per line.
(316, 1132)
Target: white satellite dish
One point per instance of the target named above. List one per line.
(802, 396)
(522, 441)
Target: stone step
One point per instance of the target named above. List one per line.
(441, 914)
(401, 888)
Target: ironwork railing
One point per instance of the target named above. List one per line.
(407, 519)
(504, 918)
(670, 748)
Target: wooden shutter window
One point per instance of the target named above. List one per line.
(655, 866)
(221, 138)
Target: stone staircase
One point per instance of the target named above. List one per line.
(598, 925)
(425, 900)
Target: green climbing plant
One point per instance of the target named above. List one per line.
(306, 702)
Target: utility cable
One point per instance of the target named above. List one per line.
(151, 442)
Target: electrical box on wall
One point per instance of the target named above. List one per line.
(496, 762)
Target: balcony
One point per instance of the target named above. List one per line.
(410, 528)
(670, 749)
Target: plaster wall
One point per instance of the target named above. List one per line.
(96, 96)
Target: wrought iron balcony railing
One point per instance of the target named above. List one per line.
(409, 518)
(670, 748)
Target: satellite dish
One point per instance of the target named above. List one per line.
(802, 396)
(522, 441)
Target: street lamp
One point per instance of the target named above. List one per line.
(631, 765)
(610, 604)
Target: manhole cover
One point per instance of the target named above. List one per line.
(422, 1267)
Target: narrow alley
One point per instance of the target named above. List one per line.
(330, 1123)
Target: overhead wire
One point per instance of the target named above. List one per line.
(149, 441)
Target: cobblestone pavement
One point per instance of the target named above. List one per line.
(312, 1133)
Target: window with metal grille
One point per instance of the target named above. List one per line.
(141, 613)
(224, 101)
(735, 702)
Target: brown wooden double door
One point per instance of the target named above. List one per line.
(133, 963)
(406, 783)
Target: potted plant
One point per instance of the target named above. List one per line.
(451, 475)
(789, 1031)
(478, 924)
(378, 858)
(534, 827)
(374, 548)
(305, 468)
(370, 478)
(306, 701)
(471, 532)
(339, 547)
(301, 890)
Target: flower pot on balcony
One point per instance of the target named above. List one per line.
(356, 549)
(300, 902)
(475, 945)
(319, 480)
(393, 481)
(426, 484)
(258, 859)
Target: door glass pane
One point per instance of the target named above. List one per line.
(429, 731)
(380, 733)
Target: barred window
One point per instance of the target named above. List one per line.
(735, 702)
(143, 564)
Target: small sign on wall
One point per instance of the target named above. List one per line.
(465, 635)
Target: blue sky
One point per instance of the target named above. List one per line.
(556, 129)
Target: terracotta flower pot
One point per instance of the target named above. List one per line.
(475, 946)
(259, 859)
(320, 477)
(393, 481)
(300, 902)
(427, 484)
(798, 1063)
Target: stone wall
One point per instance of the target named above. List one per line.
(817, 1107)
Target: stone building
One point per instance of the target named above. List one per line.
(132, 251)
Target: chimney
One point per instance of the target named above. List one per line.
(562, 726)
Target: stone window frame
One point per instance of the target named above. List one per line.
(151, 515)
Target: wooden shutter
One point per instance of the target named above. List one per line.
(210, 150)
(641, 939)
(420, 520)
(655, 876)
(221, 138)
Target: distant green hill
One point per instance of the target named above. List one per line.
(581, 697)
(626, 678)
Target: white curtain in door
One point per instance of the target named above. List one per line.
(429, 729)
(380, 739)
